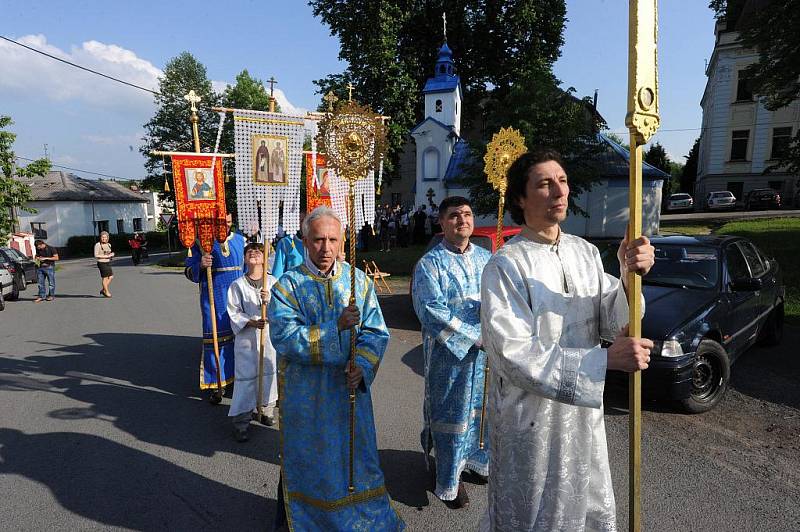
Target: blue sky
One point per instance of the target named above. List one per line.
(91, 123)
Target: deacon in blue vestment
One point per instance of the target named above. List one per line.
(226, 261)
(310, 324)
(447, 299)
(288, 255)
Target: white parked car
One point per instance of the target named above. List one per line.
(680, 201)
(720, 200)
(6, 285)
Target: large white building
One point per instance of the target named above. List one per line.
(740, 139)
(67, 205)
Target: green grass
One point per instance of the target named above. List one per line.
(398, 261)
(778, 238)
(685, 228)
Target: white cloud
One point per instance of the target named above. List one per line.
(32, 73)
(219, 86)
(286, 105)
(112, 140)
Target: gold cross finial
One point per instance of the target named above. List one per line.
(330, 99)
(272, 82)
(193, 99)
(350, 92)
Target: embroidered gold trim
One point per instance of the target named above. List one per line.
(226, 269)
(286, 294)
(267, 121)
(313, 337)
(372, 359)
(330, 506)
(220, 339)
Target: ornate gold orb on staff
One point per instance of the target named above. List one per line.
(354, 140)
(506, 146)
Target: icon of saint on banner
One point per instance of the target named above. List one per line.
(199, 184)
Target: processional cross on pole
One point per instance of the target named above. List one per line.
(272, 82)
(643, 121)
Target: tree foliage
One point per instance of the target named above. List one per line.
(547, 116)
(170, 129)
(689, 174)
(657, 156)
(391, 47)
(14, 194)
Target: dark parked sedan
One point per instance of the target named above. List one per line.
(762, 198)
(16, 267)
(24, 264)
(708, 299)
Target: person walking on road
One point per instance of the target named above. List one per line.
(46, 258)
(103, 254)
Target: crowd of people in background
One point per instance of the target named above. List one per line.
(398, 226)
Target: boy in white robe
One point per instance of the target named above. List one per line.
(245, 297)
(545, 305)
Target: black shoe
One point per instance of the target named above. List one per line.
(474, 478)
(461, 500)
(215, 397)
(241, 436)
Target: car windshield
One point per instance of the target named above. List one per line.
(684, 266)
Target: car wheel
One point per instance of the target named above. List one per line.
(772, 333)
(710, 376)
(14, 295)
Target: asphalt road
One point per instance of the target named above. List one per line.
(102, 426)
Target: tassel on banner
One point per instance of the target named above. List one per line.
(166, 184)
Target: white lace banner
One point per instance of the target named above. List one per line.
(269, 159)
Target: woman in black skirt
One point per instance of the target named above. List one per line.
(103, 254)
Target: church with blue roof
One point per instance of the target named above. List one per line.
(440, 150)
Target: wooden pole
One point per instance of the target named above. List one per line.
(352, 229)
(263, 332)
(498, 242)
(634, 282)
(643, 120)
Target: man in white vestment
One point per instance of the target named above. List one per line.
(545, 305)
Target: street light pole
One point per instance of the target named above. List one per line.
(94, 223)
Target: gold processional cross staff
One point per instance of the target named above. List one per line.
(354, 140)
(194, 99)
(506, 146)
(642, 121)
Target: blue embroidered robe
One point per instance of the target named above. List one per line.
(446, 294)
(288, 255)
(314, 403)
(228, 259)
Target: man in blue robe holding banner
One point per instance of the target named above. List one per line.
(310, 320)
(446, 294)
(226, 261)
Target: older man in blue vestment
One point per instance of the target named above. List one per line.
(226, 261)
(447, 300)
(310, 320)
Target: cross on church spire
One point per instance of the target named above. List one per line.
(444, 24)
(193, 99)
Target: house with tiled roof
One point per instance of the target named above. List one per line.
(67, 205)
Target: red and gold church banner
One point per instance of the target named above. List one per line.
(199, 199)
(318, 187)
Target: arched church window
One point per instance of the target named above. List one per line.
(438, 106)
(442, 69)
(430, 164)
